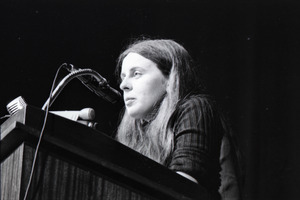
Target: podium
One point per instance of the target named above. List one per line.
(76, 162)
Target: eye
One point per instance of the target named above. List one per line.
(137, 73)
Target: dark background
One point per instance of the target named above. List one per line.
(248, 51)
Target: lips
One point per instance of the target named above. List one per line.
(129, 101)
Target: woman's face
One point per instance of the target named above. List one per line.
(143, 85)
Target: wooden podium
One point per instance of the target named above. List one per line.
(76, 162)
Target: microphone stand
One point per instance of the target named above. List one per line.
(76, 73)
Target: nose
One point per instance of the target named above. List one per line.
(125, 85)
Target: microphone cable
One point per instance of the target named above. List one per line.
(41, 133)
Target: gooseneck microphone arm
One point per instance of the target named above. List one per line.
(98, 85)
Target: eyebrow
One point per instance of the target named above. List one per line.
(122, 75)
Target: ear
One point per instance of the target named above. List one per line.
(167, 83)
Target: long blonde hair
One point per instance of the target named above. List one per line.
(155, 139)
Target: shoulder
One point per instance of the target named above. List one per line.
(193, 109)
(196, 102)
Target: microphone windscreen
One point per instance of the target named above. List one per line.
(87, 114)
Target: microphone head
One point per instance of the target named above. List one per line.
(87, 114)
(15, 105)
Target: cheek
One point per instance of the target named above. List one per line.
(160, 86)
(150, 90)
(157, 90)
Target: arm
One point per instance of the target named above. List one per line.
(197, 138)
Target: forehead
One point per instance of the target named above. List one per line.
(133, 60)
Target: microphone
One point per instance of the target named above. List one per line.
(84, 114)
(99, 86)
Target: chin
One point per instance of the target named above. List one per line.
(137, 112)
(136, 115)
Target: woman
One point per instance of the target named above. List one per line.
(168, 117)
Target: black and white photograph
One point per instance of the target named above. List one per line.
(149, 100)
